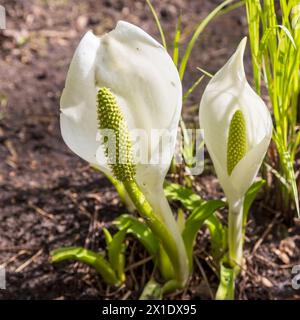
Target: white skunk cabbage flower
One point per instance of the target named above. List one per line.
(144, 81)
(237, 126)
(237, 129)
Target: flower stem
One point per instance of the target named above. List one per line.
(119, 188)
(160, 229)
(235, 233)
(227, 283)
(122, 193)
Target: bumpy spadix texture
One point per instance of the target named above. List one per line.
(119, 149)
(237, 126)
(237, 141)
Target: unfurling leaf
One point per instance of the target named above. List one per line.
(189, 199)
(88, 257)
(116, 255)
(194, 223)
(140, 231)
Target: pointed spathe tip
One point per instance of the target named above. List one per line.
(122, 24)
(243, 43)
(241, 48)
(236, 62)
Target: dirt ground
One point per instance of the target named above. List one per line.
(50, 198)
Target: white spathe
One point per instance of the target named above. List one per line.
(143, 78)
(227, 92)
(146, 84)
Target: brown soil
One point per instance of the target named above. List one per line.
(50, 198)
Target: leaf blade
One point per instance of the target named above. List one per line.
(88, 257)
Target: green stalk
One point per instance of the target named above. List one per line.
(160, 230)
(119, 188)
(122, 192)
(201, 26)
(227, 283)
(235, 233)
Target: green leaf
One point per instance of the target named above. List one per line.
(189, 199)
(140, 231)
(88, 257)
(144, 234)
(152, 291)
(116, 253)
(171, 286)
(164, 265)
(250, 197)
(180, 219)
(226, 286)
(107, 236)
(195, 222)
(218, 236)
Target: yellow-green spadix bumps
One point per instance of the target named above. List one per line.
(237, 141)
(119, 154)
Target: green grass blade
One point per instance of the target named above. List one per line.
(205, 72)
(159, 26)
(293, 182)
(176, 42)
(231, 8)
(196, 35)
(192, 88)
(288, 33)
(275, 48)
